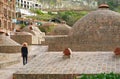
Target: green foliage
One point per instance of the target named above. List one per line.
(44, 17)
(22, 25)
(50, 13)
(100, 76)
(117, 9)
(42, 29)
(46, 29)
(37, 11)
(71, 16)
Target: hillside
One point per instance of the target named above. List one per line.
(78, 4)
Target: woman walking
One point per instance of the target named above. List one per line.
(24, 52)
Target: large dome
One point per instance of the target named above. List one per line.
(97, 31)
(102, 24)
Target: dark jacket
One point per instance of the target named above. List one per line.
(24, 51)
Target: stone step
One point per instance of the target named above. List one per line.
(6, 63)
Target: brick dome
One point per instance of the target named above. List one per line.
(100, 25)
(32, 29)
(61, 29)
(97, 31)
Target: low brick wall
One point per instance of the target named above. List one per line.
(10, 49)
(22, 38)
(60, 43)
(44, 76)
(82, 47)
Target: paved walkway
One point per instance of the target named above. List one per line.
(80, 62)
(53, 63)
(7, 72)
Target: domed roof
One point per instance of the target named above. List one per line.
(62, 29)
(100, 24)
(103, 6)
(32, 29)
(22, 33)
(97, 31)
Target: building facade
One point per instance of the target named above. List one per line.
(7, 14)
(28, 4)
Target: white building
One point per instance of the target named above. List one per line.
(28, 4)
(23, 6)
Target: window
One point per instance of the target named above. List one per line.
(36, 4)
(21, 4)
(25, 6)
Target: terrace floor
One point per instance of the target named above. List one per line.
(8, 68)
(52, 65)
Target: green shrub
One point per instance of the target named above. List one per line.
(100, 76)
(42, 29)
(22, 25)
(71, 16)
(46, 29)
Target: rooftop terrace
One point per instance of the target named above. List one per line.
(52, 65)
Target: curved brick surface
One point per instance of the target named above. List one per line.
(97, 31)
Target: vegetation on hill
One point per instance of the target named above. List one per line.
(114, 4)
(69, 16)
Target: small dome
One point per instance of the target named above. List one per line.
(2, 31)
(32, 29)
(61, 29)
(103, 6)
(22, 33)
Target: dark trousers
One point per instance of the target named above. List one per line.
(24, 60)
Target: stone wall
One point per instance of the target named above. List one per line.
(10, 49)
(37, 35)
(7, 45)
(22, 38)
(60, 43)
(51, 38)
(44, 76)
(35, 40)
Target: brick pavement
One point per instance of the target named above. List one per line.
(7, 72)
(51, 63)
